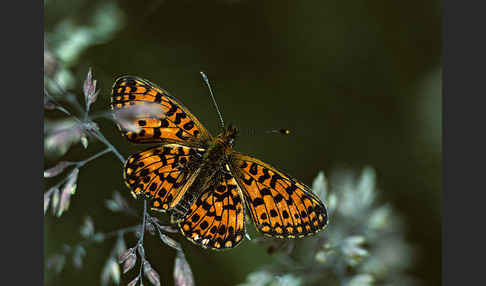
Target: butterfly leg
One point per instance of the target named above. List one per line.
(181, 210)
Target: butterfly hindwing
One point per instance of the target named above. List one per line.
(174, 123)
(162, 173)
(279, 205)
(216, 218)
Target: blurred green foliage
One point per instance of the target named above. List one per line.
(357, 82)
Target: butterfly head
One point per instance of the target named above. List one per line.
(229, 135)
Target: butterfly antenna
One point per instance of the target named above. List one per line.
(205, 78)
(281, 131)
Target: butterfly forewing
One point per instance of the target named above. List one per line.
(162, 173)
(279, 205)
(216, 218)
(173, 123)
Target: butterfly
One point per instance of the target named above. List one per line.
(201, 181)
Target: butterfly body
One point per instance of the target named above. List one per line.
(202, 182)
(214, 161)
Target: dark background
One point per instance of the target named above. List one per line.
(358, 84)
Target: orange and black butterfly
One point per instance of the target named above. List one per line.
(201, 181)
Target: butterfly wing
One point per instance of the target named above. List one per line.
(216, 219)
(174, 123)
(162, 173)
(279, 205)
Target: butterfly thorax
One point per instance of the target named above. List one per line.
(222, 144)
(214, 161)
